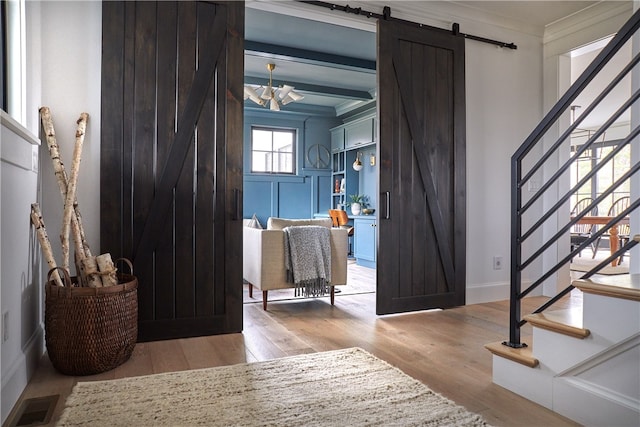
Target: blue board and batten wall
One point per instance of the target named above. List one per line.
(282, 195)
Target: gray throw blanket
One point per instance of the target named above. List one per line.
(307, 258)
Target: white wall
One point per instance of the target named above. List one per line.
(504, 103)
(21, 313)
(71, 40)
(63, 55)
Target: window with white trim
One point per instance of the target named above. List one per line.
(273, 150)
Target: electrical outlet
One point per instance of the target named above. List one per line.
(34, 159)
(497, 262)
(5, 326)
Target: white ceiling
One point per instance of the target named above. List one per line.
(283, 30)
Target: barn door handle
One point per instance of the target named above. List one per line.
(387, 205)
(236, 214)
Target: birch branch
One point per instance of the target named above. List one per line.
(72, 185)
(77, 219)
(81, 245)
(38, 222)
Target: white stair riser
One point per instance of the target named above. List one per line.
(613, 318)
(534, 384)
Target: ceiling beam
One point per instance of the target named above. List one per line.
(305, 56)
(292, 108)
(335, 92)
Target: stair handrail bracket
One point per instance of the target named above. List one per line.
(521, 177)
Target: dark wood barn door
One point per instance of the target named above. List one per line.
(421, 107)
(171, 160)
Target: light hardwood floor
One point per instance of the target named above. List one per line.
(443, 349)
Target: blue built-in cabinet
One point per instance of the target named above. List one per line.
(353, 139)
(365, 247)
(304, 194)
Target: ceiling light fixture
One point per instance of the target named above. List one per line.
(269, 95)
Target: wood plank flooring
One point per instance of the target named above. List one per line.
(443, 349)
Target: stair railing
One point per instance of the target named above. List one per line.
(520, 178)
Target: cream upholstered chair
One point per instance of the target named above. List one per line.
(263, 255)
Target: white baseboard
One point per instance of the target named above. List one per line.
(15, 380)
(488, 292)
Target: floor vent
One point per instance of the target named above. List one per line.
(35, 411)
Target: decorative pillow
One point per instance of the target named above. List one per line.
(254, 223)
(280, 223)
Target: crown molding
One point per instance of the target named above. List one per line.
(588, 18)
(439, 14)
(314, 13)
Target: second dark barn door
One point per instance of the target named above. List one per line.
(171, 160)
(421, 105)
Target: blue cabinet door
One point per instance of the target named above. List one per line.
(364, 235)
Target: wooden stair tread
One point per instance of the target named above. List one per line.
(523, 355)
(567, 322)
(625, 286)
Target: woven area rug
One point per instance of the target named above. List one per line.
(583, 265)
(337, 388)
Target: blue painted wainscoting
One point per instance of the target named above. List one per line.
(288, 196)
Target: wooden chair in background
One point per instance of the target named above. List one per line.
(341, 220)
(581, 232)
(624, 230)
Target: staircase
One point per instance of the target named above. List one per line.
(583, 363)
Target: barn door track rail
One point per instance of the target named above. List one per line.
(386, 15)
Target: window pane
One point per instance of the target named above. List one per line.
(262, 140)
(283, 162)
(261, 161)
(622, 162)
(273, 150)
(607, 175)
(283, 141)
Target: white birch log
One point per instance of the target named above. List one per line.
(77, 219)
(107, 270)
(72, 185)
(80, 271)
(81, 246)
(88, 274)
(91, 271)
(45, 244)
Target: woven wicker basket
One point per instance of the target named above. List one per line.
(90, 330)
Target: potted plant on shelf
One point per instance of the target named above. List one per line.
(357, 203)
